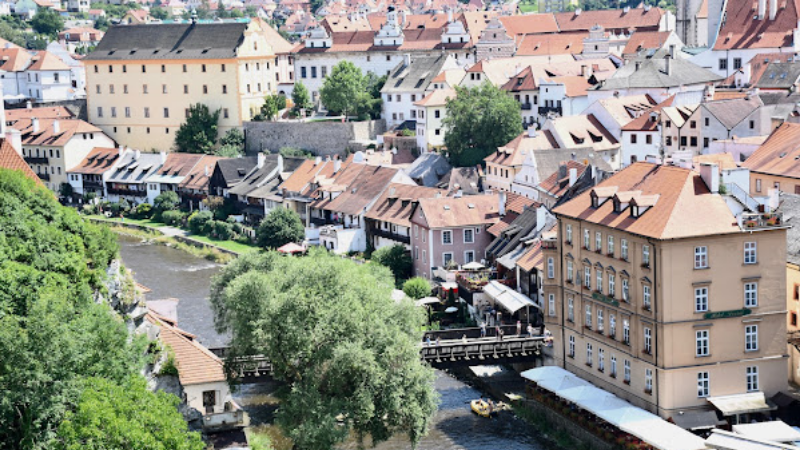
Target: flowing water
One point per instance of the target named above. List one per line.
(171, 273)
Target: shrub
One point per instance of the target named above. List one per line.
(144, 211)
(222, 230)
(173, 218)
(280, 227)
(417, 288)
(397, 259)
(198, 221)
(166, 201)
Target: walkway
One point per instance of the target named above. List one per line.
(445, 348)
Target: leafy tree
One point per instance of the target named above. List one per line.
(281, 226)
(300, 97)
(159, 13)
(250, 11)
(65, 190)
(479, 120)
(125, 416)
(48, 22)
(199, 133)
(102, 23)
(166, 201)
(293, 152)
(307, 316)
(273, 104)
(198, 221)
(397, 259)
(229, 151)
(234, 137)
(343, 91)
(417, 288)
(372, 103)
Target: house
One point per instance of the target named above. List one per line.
(44, 112)
(91, 174)
(774, 165)
(645, 43)
(407, 83)
(584, 131)
(195, 186)
(79, 6)
(463, 180)
(81, 36)
(258, 191)
(780, 76)
(429, 113)
(136, 17)
(724, 119)
(228, 172)
(174, 169)
(298, 189)
(568, 181)
(738, 148)
(642, 136)
(26, 9)
(629, 253)
(789, 208)
(51, 146)
(11, 159)
(37, 75)
(128, 178)
(617, 21)
(428, 169)
(95, 14)
(388, 221)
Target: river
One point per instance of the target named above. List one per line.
(171, 273)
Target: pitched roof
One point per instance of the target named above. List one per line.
(358, 194)
(533, 258)
(742, 30)
(10, 159)
(675, 195)
(556, 184)
(625, 108)
(527, 23)
(47, 136)
(15, 59)
(461, 211)
(779, 153)
(515, 207)
(170, 41)
(233, 170)
(513, 153)
(523, 81)
(645, 122)
(196, 364)
(760, 62)
(790, 207)
(301, 179)
(464, 179)
(397, 202)
(44, 112)
(415, 76)
(618, 19)
(179, 164)
(135, 167)
(98, 161)
(652, 73)
(732, 112)
(779, 76)
(574, 85)
(550, 44)
(438, 97)
(583, 131)
(645, 40)
(428, 169)
(258, 176)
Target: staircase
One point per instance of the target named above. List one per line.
(742, 196)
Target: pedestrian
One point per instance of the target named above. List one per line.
(530, 331)
(483, 329)
(428, 340)
(464, 338)
(519, 328)
(438, 341)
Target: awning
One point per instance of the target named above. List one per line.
(663, 435)
(543, 373)
(730, 405)
(291, 248)
(511, 300)
(725, 440)
(426, 301)
(582, 394)
(474, 265)
(775, 431)
(562, 383)
(697, 420)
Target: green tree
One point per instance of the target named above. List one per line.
(281, 226)
(102, 23)
(371, 108)
(125, 416)
(199, 133)
(166, 201)
(343, 375)
(234, 137)
(417, 288)
(293, 152)
(273, 104)
(65, 190)
(397, 259)
(48, 22)
(300, 97)
(229, 151)
(343, 91)
(159, 13)
(479, 120)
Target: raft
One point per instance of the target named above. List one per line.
(480, 408)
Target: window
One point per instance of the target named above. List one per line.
(723, 64)
(751, 294)
(626, 371)
(447, 237)
(163, 88)
(752, 124)
(752, 378)
(469, 236)
(646, 255)
(598, 242)
(612, 285)
(222, 68)
(599, 278)
(571, 309)
(551, 305)
(323, 71)
(469, 256)
(586, 239)
(692, 124)
(623, 249)
(648, 138)
(750, 253)
(124, 88)
(701, 257)
(99, 110)
(569, 234)
(569, 271)
(648, 340)
(702, 384)
(646, 297)
(551, 270)
(436, 114)
(303, 72)
(144, 89)
(600, 320)
(113, 111)
(97, 88)
(648, 381)
(446, 258)
(127, 111)
(110, 88)
(737, 63)
(751, 338)
(587, 277)
(633, 138)
(702, 343)
(146, 112)
(203, 68)
(601, 360)
(144, 68)
(693, 141)
(758, 185)
(588, 316)
(700, 299)
(626, 331)
(571, 346)
(610, 246)
(613, 371)
(589, 357)
(612, 325)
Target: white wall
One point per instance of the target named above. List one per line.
(641, 149)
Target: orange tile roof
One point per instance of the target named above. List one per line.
(196, 364)
(476, 22)
(398, 202)
(197, 179)
(723, 160)
(99, 160)
(729, 95)
(529, 23)
(438, 97)
(682, 205)
(360, 185)
(741, 30)
(46, 136)
(14, 59)
(610, 19)
(645, 40)
(517, 203)
(513, 153)
(461, 211)
(10, 159)
(179, 164)
(523, 81)
(760, 62)
(304, 175)
(556, 186)
(643, 122)
(550, 44)
(779, 154)
(533, 258)
(44, 60)
(45, 112)
(575, 85)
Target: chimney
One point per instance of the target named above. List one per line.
(532, 130)
(668, 66)
(637, 65)
(577, 11)
(337, 165)
(562, 171)
(573, 176)
(121, 151)
(317, 160)
(163, 157)
(583, 71)
(15, 139)
(502, 205)
(626, 10)
(762, 9)
(710, 175)
(137, 154)
(262, 158)
(450, 14)
(35, 124)
(56, 127)
(672, 48)
(407, 59)
(207, 171)
(541, 217)
(28, 105)
(574, 156)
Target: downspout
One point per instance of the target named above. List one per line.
(561, 284)
(655, 257)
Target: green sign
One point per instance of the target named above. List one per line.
(604, 299)
(726, 314)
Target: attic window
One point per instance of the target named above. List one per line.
(419, 83)
(133, 51)
(111, 52)
(180, 50)
(576, 139)
(241, 171)
(782, 155)
(471, 206)
(596, 138)
(446, 207)
(205, 50)
(635, 211)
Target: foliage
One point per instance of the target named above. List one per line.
(479, 120)
(48, 22)
(300, 97)
(307, 316)
(397, 259)
(102, 24)
(233, 137)
(372, 104)
(198, 220)
(65, 190)
(173, 218)
(169, 367)
(417, 288)
(344, 90)
(294, 152)
(199, 133)
(144, 211)
(273, 104)
(222, 230)
(280, 226)
(125, 416)
(159, 13)
(228, 151)
(166, 201)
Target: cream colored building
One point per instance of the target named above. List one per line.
(657, 292)
(142, 79)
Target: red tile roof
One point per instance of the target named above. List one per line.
(533, 258)
(643, 122)
(645, 40)
(779, 153)
(46, 135)
(610, 19)
(461, 211)
(10, 159)
(529, 23)
(99, 160)
(398, 202)
(358, 192)
(556, 186)
(741, 30)
(44, 60)
(197, 179)
(46, 112)
(179, 164)
(550, 44)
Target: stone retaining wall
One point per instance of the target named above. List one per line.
(322, 138)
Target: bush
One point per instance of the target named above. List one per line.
(222, 230)
(281, 226)
(198, 221)
(397, 259)
(166, 201)
(144, 211)
(417, 288)
(173, 218)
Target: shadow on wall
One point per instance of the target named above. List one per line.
(322, 138)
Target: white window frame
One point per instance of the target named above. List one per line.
(750, 253)
(623, 248)
(751, 378)
(610, 245)
(571, 309)
(601, 360)
(551, 268)
(626, 371)
(599, 279)
(701, 299)
(612, 325)
(626, 331)
(447, 233)
(444, 258)
(572, 346)
(469, 256)
(613, 371)
(701, 257)
(751, 338)
(612, 285)
(569, 233)
(648, 380)
(702, 343)
(551, 305)
(646, 297)
(586, 239)
(751, 294)
(648, 340)
(703, 384)
(471, 233)
(588, 316)
(587, 277)
(600, 320)
(646, 255)
(570, 271)
(598, 241)
(589, 355)
(625, 290)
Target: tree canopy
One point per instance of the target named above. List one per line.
(281, 226)
(397, 259)
(417, 288)
(300, 97)
(199, 133)
(479, 120)
(48, 22)
(307, 315)
(343, 91)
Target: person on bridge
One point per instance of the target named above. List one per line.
(464, 338)
(519, 328)
(530, 331)
(483, 329)
(438, 341)
(428, 340)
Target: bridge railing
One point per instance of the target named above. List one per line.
(482, 349)
(475, 332)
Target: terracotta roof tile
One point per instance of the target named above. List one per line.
(98, 161)
(610, 19)
(197, 179)
(529, 23)
(45, 112)
(398, 201)
(10, 159)
(556, 186)
(358, 192)
(780, 154)
(550, 44)
(533, 258)
(196, 364)
(179, 164)
(438, 97)
(644, 122)
(742, 31)
(301, 179)
(461, 211)
(45, 60)
(645, 40)
(46, 134)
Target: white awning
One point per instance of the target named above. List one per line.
(731, 405)
(545, 372)
(508, 298)
(725, 440)
(563, 383)
(426, 301)
(583, 394)
(664, 435)
(775, 431)
(474, 265)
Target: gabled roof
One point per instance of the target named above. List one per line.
(15, 59)
(461, 211)
(361, 191)
(47, 136)
(529, 23)
(464, 179)
(233, 170)
(779, 76)
(674, 196)
(556, 184)
(415, 76)
(44, 60)
(523, 81)
(196, 364)
(652, 73)
(438, 97)
(179, 164)
(583, 131)
(645, 40)
(760, 62)
(196, 178)
(258, 176)
(44, 112)
(742, 30)
(645, 122)
(625, 108)
(135, 169)
(397, 203)
(513, 153)
(10, 159)
(550, 44)
(574, 85)
(515, 205)
(97, 162)
(428, 169)
(780, 153)
(533, 258)
(310, 170)
(732, 112)
(609, 19)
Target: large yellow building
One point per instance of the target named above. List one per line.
(661, 294)
(141, 79)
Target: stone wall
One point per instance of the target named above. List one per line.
(322, 138)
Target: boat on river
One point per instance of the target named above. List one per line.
(482, 408)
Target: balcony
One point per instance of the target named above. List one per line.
(126, 191)
(391, 236)
(526, 106)
(545, 110)
(93, 185)
(43, 176)
(757, 221)
(549, 244)
(37, 160)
